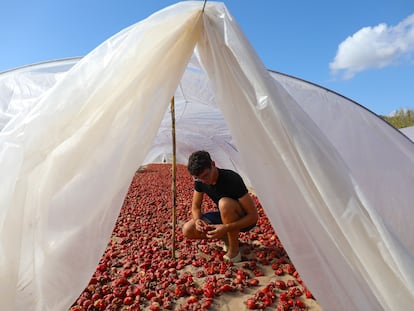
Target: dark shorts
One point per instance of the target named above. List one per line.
(215, 218)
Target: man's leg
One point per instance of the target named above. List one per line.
(231, 211)
(190, 231)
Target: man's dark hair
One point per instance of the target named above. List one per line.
(198, 162)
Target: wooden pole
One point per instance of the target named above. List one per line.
(174, 170)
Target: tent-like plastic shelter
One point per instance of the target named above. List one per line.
(73, 133)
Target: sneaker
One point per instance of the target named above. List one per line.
(236, 258)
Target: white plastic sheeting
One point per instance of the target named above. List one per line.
(409, 132)
(335, 180)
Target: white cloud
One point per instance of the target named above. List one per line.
(374, 47)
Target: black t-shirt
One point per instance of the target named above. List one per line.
(228, 184)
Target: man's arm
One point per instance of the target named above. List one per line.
(196, 210)
(196, 204)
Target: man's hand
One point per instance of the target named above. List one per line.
(201, 225)
(216, 231)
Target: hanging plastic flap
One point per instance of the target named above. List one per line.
(67, 163)
(335, 233)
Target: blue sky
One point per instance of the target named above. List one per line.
(363, 50)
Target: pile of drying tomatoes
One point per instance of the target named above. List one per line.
(147, 267)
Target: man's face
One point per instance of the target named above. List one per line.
(206, 176)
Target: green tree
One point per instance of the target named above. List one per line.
(401, 118)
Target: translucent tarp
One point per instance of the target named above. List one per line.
(335, 180)
(409, 132)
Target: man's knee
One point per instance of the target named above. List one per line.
(229, 207)
(227, 202)
(188, 229)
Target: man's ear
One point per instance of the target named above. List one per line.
(213, 164)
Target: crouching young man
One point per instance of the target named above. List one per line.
(236, 210)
